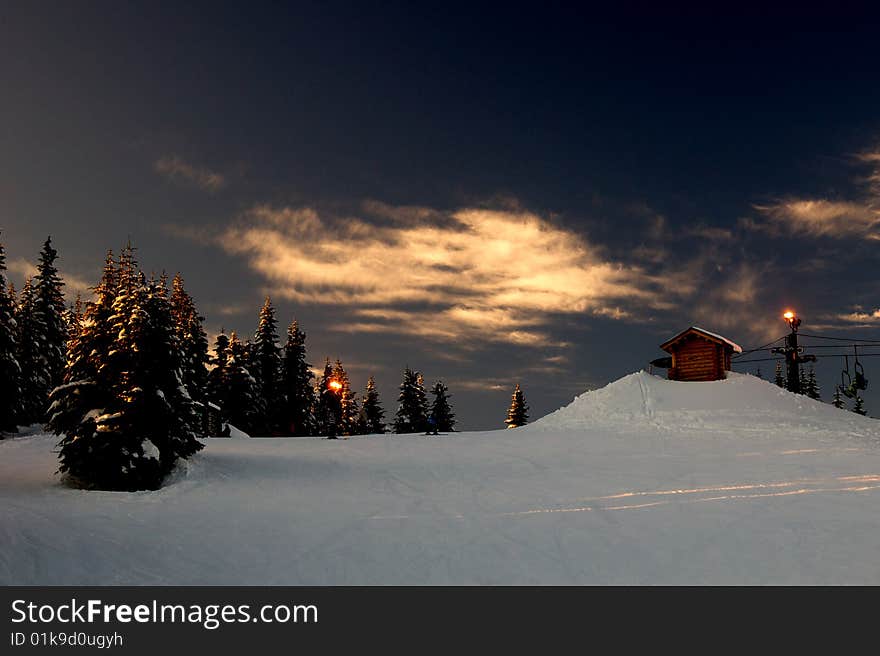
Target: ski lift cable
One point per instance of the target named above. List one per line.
(760, 348)
(844, 339)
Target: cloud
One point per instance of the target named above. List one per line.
(821, 217)
(177, 170)
(468, 275)
(73, 285)
(861, 317)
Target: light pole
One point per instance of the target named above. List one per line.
(792, 352)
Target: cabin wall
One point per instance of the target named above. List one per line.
(698, 359)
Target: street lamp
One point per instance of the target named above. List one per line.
(793, 320)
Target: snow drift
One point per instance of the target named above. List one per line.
(620, 487)
(740, 403)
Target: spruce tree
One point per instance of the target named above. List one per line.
(412, 404)
(518, 413)
(49, 303)
(243, 406)
(329, 403)
(837, 399)
(265, 358)
(297, 414)
(374, 415)
(812, 388)
(778, 378)
(10, 372)
(123, 412)
(191, 339)
(859, 405)
(441, 415)
(348, 405)
(802, 376)
(218, 379)
(35, 383)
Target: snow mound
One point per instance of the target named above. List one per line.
(741, 402)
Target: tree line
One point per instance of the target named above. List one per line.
(809, 385)
(126, 378)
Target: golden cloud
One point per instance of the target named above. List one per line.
(496, 275)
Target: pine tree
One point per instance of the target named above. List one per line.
(837, 399)
(329, 403)
(812, 386)
(191, 339)
(518, 413)
(441, 417)
(374, 415)
(859, 405)
(348, 404)
(297, 414)
(50, 309)
(10, 372)
(218, 378)
(265, 358)
(125, 416)
(778, 378)
(802, 376)
(34, 380)
(412, 404)
(243, 407)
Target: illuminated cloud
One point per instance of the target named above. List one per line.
(470, 274)
(861, 317)
(181, 172)
(818, 217)
(821, 218)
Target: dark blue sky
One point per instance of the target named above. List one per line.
(405, 180)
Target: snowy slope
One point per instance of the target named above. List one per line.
(644, 481)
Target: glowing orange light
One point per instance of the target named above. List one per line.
(789, 315)
(335, 385)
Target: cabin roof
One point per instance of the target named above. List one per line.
(706, 334)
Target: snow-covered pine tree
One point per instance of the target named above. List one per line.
(837, 399)
(243, 406)
(412, 404)
(49, 302)
(85, 399)
(802, 376)
(10, 373)
(329, 403)
(859, 405)
(812, 388)
(441, 410)
(73, 318)
(778, 378)
(374, 415)
(265, 358)
(297, 416)
(348, 404)
(124, 413)
(218, 379)
(34, 380)
(191, 338)
(518, 413)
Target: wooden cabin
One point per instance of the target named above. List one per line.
(699, 355)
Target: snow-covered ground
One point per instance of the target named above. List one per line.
(645, 481)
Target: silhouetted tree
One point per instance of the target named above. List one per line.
(778, 378)
(441, 410)
(374, 415)
(299, 397)
(348, 404)
(412, 415)
(859, 405)
(10, 372)
(329, 403)
(265, 358)
(837, 399)
(812, 386)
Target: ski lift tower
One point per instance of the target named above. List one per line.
(793, 353)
